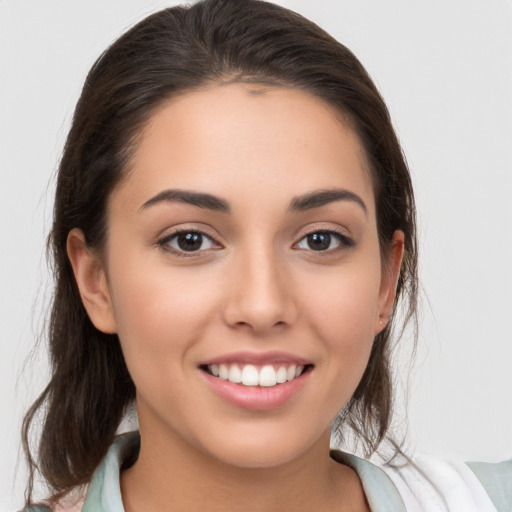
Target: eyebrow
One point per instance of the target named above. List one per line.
(322, 197)
(307, 201)
(201, 200)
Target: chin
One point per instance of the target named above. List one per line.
(264, 448)
(252, 458)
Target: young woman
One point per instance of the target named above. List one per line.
(234, 227)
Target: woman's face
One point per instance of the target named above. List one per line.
(243, 245)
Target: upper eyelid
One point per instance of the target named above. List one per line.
(326, 231)
(303, 232)
(169, 233)
(170, 236)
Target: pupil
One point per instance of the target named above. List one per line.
(319, 241)
(190, 241)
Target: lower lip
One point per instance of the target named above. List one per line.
(255, 397)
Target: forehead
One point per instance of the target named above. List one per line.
(240, 139)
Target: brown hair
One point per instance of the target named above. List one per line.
(172, 51)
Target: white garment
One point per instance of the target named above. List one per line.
(434, 485)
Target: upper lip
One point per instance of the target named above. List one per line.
(256, 358)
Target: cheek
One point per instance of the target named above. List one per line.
(159, 314)
(343, 306)
(341, 311)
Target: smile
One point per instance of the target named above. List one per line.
(252, 375)
(258, 382)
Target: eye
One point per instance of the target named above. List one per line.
(188, 242)
(323, 241)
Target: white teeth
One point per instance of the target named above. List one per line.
(267, 376)
(281, 375)
(249, 375)
(235, 374)
(223, 372)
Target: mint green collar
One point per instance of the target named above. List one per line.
(381, 493)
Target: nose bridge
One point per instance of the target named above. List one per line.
(260, 296)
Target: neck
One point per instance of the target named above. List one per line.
(180, 477)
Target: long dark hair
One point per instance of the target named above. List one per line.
(172, 51)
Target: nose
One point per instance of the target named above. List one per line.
(260, 297)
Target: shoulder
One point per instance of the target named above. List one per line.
(423, 483)
(102, 493)
(64, 506)
(496, 478)
(451, 485)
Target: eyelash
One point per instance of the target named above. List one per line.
(343, 240)
(164, 243)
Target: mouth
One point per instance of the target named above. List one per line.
(257, 381)
(254, 375)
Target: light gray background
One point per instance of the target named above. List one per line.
(445, 70)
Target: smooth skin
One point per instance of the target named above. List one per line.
(254, 280)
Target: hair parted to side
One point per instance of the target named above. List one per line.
(168, 53)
